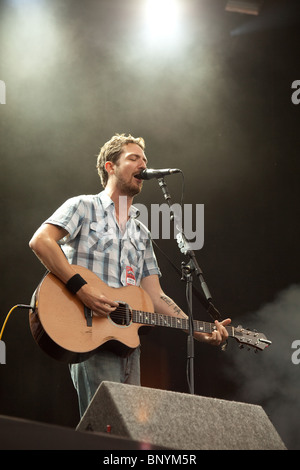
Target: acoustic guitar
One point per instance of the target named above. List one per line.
(68, 331)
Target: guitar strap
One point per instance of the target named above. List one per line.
(209, 306)
(33, 297)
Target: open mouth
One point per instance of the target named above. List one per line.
(138, 177)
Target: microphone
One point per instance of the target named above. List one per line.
(149, 173)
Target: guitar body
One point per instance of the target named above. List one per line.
(66, 330)
(60, 327)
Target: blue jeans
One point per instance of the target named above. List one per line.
(103, 365)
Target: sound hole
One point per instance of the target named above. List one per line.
(122, 315)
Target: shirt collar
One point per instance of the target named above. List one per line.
(107, 202)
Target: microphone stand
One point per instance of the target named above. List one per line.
(187, 269)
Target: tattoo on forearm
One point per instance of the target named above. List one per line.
(167, 300)
(171, 303)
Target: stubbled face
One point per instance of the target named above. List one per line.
(123, 173)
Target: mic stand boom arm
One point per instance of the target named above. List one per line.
(186, 249)
(187, 269)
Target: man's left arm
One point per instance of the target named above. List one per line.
(166, 306)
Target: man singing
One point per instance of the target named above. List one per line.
(102, 234)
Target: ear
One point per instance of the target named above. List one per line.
(109, 166)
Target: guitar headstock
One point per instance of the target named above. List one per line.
(251, 338)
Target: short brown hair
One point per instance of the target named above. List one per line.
(112, 150)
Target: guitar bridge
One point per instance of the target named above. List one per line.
(88, 316)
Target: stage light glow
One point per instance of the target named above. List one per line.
(163, 20)
(248, 7)
(32, 39)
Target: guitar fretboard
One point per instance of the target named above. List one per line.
(157, 319)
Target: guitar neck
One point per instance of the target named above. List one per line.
(157, 319)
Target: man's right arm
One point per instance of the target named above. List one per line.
(44, 244)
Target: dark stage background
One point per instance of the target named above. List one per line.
(217, 103)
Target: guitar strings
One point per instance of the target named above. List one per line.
(158, 318)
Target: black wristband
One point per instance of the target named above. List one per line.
(75, 283)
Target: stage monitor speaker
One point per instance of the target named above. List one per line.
(174, 420)
(22, 434)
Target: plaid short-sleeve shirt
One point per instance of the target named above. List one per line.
(96, 242)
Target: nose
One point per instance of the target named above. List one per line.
(142, 165)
